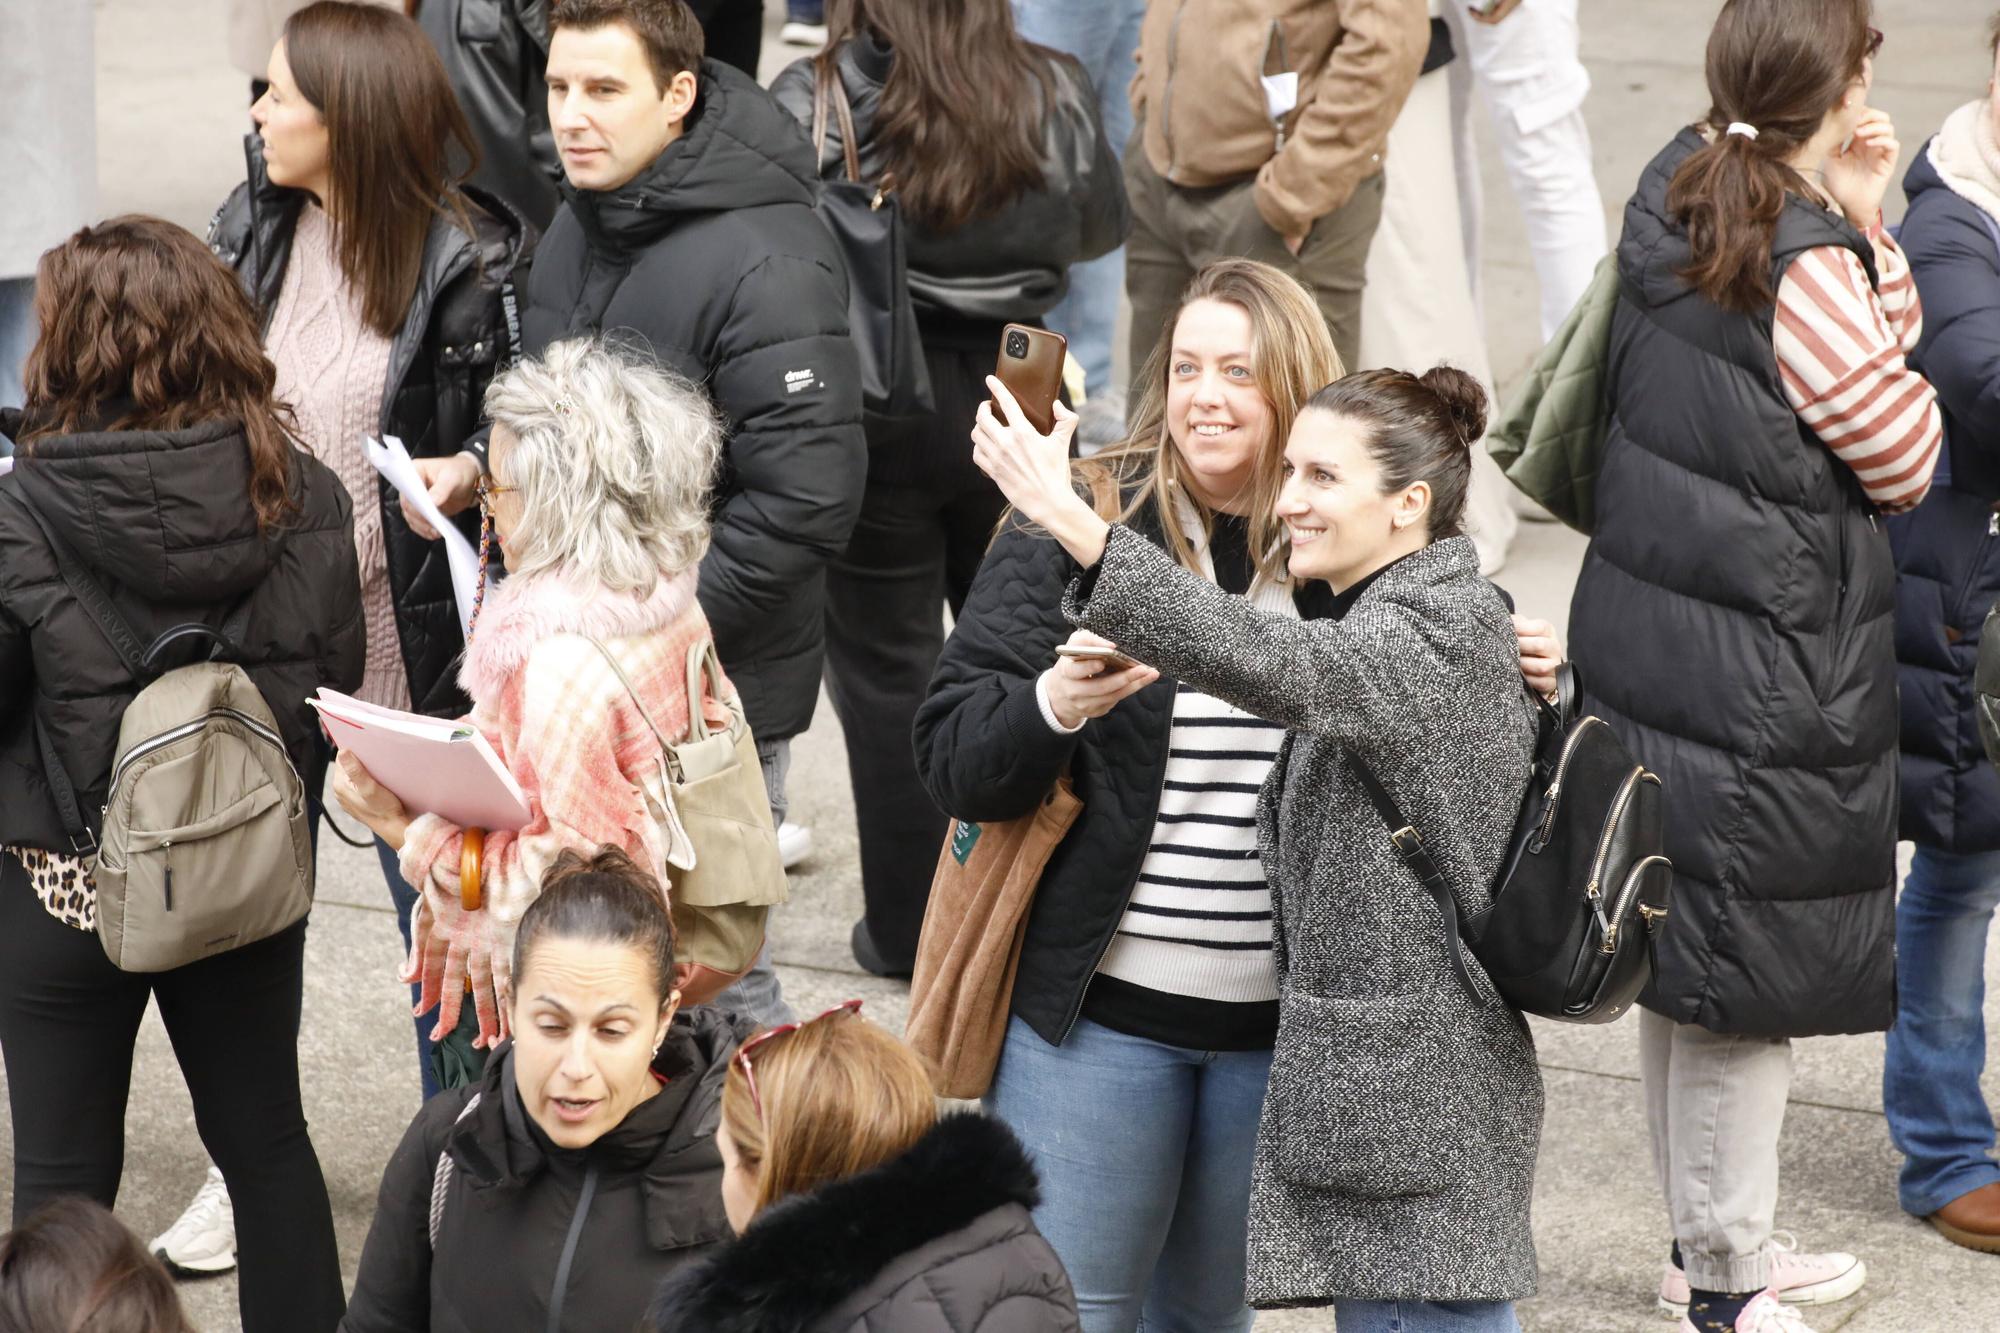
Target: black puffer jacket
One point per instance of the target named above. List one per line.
(534, 1237)
(985, 753)
(938, 1240)
(163, 520)
(460, 329)
(1012, 264)
(495, 53)
(714, 259)
(1732, 622)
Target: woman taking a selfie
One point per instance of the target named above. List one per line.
(1396, 1152)
(994, 151)
(582, 1168)
(1733, 616)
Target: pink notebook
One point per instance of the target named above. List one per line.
(435, 766)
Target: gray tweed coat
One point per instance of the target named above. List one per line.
(1397, 1148)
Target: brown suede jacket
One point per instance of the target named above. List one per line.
(1200, 97)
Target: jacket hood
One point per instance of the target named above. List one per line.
(739, 149)
(668, 1139)
(165, 513)
(1654, 245)
(810, 1252)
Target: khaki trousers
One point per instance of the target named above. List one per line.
(1177, 229)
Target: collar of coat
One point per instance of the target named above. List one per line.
(526, 609)
(808, 1253)
(668, 1140)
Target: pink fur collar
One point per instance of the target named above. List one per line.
(522, 612)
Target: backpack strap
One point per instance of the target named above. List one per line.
(1409, 845)
(90, 594)
(441, 1178)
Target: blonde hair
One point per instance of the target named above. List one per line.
(1292, 356)
(840, 1096)
(614, 459)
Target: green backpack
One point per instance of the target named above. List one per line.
(203, 845)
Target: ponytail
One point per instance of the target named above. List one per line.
(1776, 67)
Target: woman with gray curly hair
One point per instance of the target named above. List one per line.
(598, 493)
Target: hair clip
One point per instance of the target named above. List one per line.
(565, 407)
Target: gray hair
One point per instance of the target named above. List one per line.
(614, 461)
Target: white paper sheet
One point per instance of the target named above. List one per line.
(392, 460)
(6, 465)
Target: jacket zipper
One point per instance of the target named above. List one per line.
(558, 1295)
(1593, 890)
(1159, 794)
(187, 729)
(167, 847)
(1167, 89)
(1625, 897)
(1547, 826)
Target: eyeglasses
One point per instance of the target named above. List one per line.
(743, 1051)
(488, 488)
(1874, 42)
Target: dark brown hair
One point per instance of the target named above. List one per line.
(136, 308)
(605, 898)
(1993, 37)
(1421, 428)
(74, 1268)
(397, 143)
(668, 30)
(1780, 66)
(960, 122)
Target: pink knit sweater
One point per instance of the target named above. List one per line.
(333, 369)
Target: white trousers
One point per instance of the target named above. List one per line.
(1528, 72)
(1418, 309)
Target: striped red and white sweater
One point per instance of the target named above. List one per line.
(1842, 354)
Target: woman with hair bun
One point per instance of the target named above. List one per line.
(582, 1168)
(1396, 1153)
(1733, 615)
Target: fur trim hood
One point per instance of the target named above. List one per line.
(810, 1254)
(522, 612)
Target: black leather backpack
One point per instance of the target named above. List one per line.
(1583, 891)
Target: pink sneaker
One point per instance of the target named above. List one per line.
(1796, 1279)
(1763, 1315)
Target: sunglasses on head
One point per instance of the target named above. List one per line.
(742, 1056)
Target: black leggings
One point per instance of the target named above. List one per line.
(68, 1020)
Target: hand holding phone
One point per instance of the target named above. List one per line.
(1091, 652)
(1091, 677)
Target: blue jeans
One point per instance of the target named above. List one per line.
(17, 335)
(405, 899)
(1938, 1117)
(1104, 36)
(1425, 1317)
(1144, 1153)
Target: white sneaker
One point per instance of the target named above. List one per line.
(202, 1241)
(803, 34)
(1796, 1279)
(1763, 1315)
(795, 843)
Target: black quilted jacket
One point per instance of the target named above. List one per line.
(985, 753)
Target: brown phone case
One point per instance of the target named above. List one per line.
(1031, 366)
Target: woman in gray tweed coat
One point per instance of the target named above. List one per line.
(1397, 1149)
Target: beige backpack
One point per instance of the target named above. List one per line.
(203, 845)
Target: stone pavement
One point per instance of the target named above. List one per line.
(170, 114)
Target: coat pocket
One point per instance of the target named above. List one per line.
(1366, 1100)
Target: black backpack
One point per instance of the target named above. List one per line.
(1583, 892)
